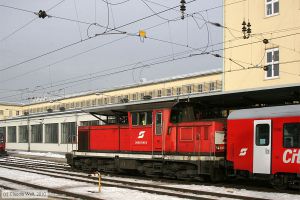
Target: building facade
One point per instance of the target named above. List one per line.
(268, 55)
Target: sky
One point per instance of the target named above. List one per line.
(88, 45)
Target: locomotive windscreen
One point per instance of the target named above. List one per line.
(188, 112)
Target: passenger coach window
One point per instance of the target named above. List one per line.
(291, 135)
(262, 134)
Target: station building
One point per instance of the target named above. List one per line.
(53, 124)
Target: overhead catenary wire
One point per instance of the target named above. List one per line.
(103, 26)
(28, 23)
(160, 62)
(75, 43)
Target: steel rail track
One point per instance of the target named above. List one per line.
(137, 186)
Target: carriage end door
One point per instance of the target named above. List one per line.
(262, 146)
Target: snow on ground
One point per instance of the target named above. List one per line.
(48, 154)
(113, 193)
(109, 193)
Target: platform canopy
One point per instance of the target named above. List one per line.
(223, 100)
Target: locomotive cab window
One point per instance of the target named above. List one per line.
(291, 135)
(262, 134)
(141, 118)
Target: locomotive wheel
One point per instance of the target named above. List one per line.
(217, 175)
(279, 182)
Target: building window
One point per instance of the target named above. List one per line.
(105, 100)
(212, 86)
(23, 134)
(169, 92)
(188, 89)
(100, 101)
(51, 133)
(68, 132)
(133, 97)
(272, 7)
(178, 91)
(12, 134)
(112, 99)
(37, 133)
(272, 64)
(200, 88)
(142, 95)
(1, 112)
(158, 93)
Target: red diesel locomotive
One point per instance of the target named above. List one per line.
(184, 140)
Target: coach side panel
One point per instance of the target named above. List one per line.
(240, 144)
(286, 145)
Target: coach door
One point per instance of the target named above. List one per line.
(262, 147)
(158, 130)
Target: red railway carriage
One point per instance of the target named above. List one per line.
(172, 139)
(265, 142)
(2, 143)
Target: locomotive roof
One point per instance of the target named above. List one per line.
(266, 112)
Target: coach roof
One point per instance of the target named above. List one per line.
(266, 112)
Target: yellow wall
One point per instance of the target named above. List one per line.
(7, 111)
(110, 96)
(282, 31)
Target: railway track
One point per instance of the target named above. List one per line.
(60, 171)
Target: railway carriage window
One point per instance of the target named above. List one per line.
(2, 134)
(12, 134)
(51, 133)
(262, 134)
(291, 135)
(23, 134)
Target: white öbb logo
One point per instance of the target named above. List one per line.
(243, 151)
(141, 134)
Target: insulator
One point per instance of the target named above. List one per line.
(249, 30)
(266, 67)
(182, 8)
(265, 41)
